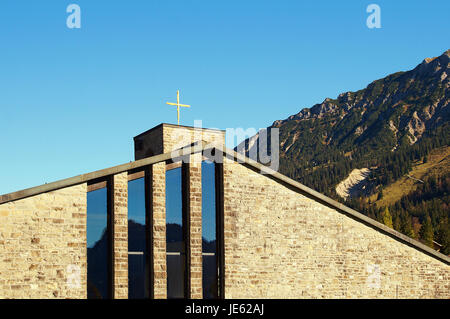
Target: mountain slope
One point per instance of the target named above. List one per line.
(386, 128)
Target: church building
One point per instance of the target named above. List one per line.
(190, 218)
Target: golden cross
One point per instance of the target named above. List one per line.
(178, 105)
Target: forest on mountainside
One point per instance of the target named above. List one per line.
(391, 128)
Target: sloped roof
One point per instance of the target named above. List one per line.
(243, 160)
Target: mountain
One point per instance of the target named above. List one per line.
(357, 146)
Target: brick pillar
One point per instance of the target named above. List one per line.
(195, 209)
(120, 234)
(230, 212)
(159, 230)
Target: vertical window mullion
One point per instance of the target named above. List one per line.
(220, 243)
(149, 228)
(110, 231)
(185, 190)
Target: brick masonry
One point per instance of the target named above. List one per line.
(281, 244)
(178, 137)
(43, 245)
(195, 202)
(278, 243)
(166, 138)
(159, 230)
(120, 235)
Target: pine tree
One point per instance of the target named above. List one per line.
(426, 231)
(407, 226)
(387, 218)
(397, 223)
(380, 194)
(443, 236)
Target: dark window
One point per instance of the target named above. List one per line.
(98, 245)
(209, 240)
(138, 271)
(175, 235)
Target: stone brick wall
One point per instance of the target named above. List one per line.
(166, 138)
(278, 243)
(281, 244)
(176, 137)
(195, 203)
(159, 230)
(43, 245)
(120, 235)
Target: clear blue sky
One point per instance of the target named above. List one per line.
(71, 100)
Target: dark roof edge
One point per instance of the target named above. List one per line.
(84, 178)
(237, 157)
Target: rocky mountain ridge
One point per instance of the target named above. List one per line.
(398, 89)
(352, 147)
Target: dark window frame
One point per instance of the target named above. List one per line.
(108, 183)
(186, 220)
(147, 173)
(186, 191)
(148, 181)
(220, 238)
(220, 222)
